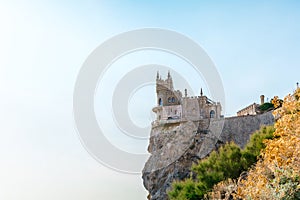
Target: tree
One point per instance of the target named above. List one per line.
(221, 164)
(256, 144)
(228, 162)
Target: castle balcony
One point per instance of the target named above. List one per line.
(169, 121)
(157, 108)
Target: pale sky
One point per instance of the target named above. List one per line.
(254, 45)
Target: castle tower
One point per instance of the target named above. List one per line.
(172, 107)
(165, 91)
(262, 99)
(168, 100)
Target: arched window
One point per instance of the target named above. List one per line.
(173, 100)
(212, 114)
(160, 102)
(169, 100)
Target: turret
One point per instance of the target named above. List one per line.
(262, 99)
(165, 91)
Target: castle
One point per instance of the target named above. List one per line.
(252, 109)
(173, 107)
(186, 130)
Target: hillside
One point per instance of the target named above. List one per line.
(175, 147)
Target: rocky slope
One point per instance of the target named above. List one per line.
(175, 146)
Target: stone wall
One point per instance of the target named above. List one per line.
(239, 129)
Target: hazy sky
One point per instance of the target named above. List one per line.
(254, 45)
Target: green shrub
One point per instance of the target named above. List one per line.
(186, 190)
(228, 162)
(220, 165)
(266, 106)
(255, 145)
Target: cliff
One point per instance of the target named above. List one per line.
(175, 146)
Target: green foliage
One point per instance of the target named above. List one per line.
(255, 145)
(186, 190)
(228, 162)
(266, 106)
(288, 185)
(219, 165)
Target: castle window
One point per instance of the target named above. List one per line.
(160, 102)
(212, 114)
(175, 112)
(169, 100)
(173, 99)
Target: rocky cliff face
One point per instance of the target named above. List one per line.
(175, 146)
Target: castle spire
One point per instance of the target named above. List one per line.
(201, 92)
(157, 75)
(169, 76)
(297, 85)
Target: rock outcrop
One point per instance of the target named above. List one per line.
(175, 146)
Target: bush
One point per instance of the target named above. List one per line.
(256, 144)
(186, 190)
(223, 190)
(228, 162)
(277, 174)
(266, 106)
(220, 165)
